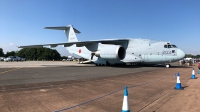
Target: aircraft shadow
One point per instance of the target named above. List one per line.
(119, 66)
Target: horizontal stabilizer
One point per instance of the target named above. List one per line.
(62, 28)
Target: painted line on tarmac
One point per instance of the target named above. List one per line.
(9, 71)
(171, 90)
(108, 94)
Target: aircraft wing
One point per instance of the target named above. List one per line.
(122, 42)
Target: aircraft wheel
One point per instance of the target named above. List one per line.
(168, 65)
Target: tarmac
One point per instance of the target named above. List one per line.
(71, 87)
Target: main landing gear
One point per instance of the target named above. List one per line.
(103, 64)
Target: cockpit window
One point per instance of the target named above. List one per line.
(170, 46)
(174, 46)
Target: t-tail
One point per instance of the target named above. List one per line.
(69, 31)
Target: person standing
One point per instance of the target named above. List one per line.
(199, 65)
(193, 62)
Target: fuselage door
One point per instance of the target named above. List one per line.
(174, 53)
(145, 57)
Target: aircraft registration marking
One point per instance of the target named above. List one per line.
(166, 52)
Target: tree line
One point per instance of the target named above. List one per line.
(34, 54)
(192, 56)
(47, 54)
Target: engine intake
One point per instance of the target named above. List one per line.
(111, 52)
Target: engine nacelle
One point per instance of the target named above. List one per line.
(111, 52)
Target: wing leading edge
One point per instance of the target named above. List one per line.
(122, 42)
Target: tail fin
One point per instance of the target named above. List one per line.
(69, 31)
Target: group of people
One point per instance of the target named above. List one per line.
(190, 62)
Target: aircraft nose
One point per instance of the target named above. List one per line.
(180, 54)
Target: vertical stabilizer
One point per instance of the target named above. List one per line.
(69, 31)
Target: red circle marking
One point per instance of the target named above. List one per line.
(79, 50)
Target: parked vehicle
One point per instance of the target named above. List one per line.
(70, 58)
(22, 59)
(14, 58)
(1, 58)
(11, 58)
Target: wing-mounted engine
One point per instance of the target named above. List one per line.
(114, 52)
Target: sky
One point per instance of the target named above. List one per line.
(22, 22)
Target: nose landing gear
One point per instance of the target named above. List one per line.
(167, 65)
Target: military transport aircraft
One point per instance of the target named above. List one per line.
(118, 51)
